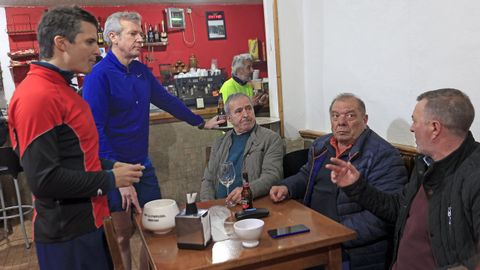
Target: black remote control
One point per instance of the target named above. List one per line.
(252, 213)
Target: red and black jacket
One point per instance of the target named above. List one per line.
(52, 130)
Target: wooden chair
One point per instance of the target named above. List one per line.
(293, 161)
(113, 246)
(408, 154)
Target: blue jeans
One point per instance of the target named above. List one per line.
(88, 251)
(147, 189)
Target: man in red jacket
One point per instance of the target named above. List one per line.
(52, 130)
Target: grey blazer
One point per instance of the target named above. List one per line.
(262, 159)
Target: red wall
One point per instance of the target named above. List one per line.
(242, 22)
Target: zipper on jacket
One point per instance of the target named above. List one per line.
(311, 169)
(450, 239)
(449, 214)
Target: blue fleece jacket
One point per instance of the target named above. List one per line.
(381, 165)
(120, 98)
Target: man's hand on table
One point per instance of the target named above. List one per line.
(278, 193)
(235, 195)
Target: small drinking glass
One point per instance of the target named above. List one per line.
(226, 176)
(228, 225)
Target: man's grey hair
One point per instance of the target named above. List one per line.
(113, 23)
(239, 62)
(345, 96)
(233, 97)
(451, 107)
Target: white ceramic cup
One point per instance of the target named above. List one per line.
(159, 215)
(249, 231)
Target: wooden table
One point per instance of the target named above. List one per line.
(322, 245)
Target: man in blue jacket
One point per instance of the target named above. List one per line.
(119, 90)
(437, 214)
(380, 164)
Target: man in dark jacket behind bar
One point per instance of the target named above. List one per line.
(437, 214)
(379, 162)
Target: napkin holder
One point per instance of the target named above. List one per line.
(193, 230)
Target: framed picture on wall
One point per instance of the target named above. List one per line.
(216, 25)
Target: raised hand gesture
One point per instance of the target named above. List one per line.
(343, 173)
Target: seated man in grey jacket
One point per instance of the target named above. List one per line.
(251, 148)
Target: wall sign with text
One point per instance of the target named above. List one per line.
(216, 25)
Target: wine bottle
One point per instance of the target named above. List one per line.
(145, 29)
(156, 34)
(100, 39)
(163, 35)
(151, 36)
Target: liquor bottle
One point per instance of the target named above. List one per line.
(221, 111)
(145, 29)
(151, 36)
(156, 34)
(100, 39)
(247, 196)
(163, 35)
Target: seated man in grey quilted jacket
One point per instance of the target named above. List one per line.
(251, 148)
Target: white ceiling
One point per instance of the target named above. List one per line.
(16, 3)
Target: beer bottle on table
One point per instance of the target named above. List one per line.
(247, 196)
(221, 111)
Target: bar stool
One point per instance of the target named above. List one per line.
(10, 165)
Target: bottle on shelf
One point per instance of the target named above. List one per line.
(156, 34)
(151, 36)
(221, 111)
(145, 33)
(193, 62)
(163, 35)
(100, 39)
(247, 195)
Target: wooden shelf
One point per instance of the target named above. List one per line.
(19, 65)
(21, 33)
(20, 56)
(150, 44)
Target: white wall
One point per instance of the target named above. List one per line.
(386, 52)
(270, 47)
(292, 57)
(8, 84)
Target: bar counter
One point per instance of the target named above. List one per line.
(164, 117)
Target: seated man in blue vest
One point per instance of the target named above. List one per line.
(251, 148)
(378, 161)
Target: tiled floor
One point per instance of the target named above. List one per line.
(14, 255)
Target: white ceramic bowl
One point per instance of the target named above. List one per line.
(249, 231)
(159, 215)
